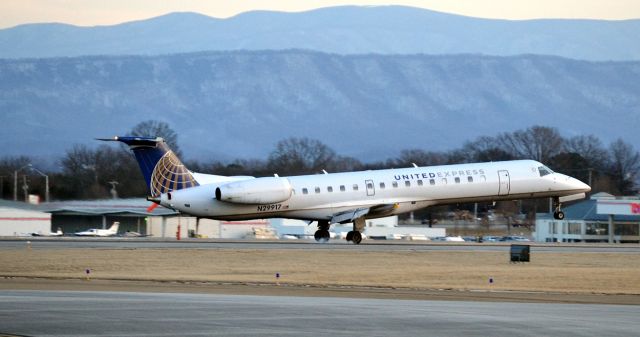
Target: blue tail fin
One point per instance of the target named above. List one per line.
(162, 169)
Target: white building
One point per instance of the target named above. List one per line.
(602, 218)
(16, 221)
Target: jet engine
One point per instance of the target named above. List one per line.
(268, 190)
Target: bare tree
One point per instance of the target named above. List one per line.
(588, 147)
(485, 148)
(87, 173)
(299, 156)
(624, 166)
(8, 165)
(537, 142)
(420, 158)
(153, 128)
(80, 173)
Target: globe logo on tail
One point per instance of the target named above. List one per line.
(170, 174)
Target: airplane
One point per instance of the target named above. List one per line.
(56, 233)
(339, 198)
(113, 230)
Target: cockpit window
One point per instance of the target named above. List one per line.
(544, 171)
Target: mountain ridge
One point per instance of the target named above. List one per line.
(238, 104)
(341, 30)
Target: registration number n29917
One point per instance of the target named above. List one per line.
(272, 207)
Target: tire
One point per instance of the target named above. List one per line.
(357, 238)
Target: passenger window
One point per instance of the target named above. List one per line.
(457, 180)
(444, 181)
(382, 185)
(432, 181)
(470, 179)
(407, 183)
(355, 187)
(342, 189)
(370, 186)
(317, 189)
(330, 189)
(394, 184)
(419, 182)
(305, 191)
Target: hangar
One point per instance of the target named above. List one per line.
(20, 219)
(602, 218)
(75, 216)
(135, 217)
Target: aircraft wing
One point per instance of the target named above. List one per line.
(353, 214)
(350, 215)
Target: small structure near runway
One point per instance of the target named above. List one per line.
(519, 253)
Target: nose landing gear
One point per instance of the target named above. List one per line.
(558, 214)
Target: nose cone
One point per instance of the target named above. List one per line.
(576, 185)
(582, 187)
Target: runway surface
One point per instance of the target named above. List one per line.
(369, 245)
(70, 313)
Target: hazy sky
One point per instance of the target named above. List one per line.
(106, 12)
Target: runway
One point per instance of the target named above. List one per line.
(72, 313)
(367, 245)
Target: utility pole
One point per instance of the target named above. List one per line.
(114, 192)
(46, 182)
(15, 181)
(25, 187)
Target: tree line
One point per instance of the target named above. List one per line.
(111, 171)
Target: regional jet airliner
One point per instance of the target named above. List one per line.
(338, 198)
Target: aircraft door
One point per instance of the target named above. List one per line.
(504, 182)
(371, 189)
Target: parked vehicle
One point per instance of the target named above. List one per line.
(514, 238)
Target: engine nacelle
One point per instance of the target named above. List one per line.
(267, 190)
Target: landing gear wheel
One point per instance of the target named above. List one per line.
(558, 214)
(321, 235)
(350, 236)
(357, 238)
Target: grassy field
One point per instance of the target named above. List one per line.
(586, 273)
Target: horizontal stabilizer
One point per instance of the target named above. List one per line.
(135, 141)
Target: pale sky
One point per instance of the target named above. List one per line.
(108, 12)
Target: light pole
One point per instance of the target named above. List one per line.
(46, 183)
(114, 192)
(15, 181)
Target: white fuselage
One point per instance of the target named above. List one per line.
(95, 232)
(112, 231)
(322, 196)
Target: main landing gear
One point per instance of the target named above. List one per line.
(558, 214)
(322, 234)
(355, 235)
